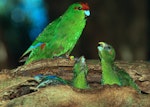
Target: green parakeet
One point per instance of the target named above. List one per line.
(111, 74)
(80, 71)
(60, 36)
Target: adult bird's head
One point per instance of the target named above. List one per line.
(79, 8)
(106, 52)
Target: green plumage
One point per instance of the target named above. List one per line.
(80, 71)
(60, 36)
(111, 74)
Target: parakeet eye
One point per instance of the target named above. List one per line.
(107, 47)
(99, 44)
(78, 8)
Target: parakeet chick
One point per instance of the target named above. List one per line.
(111, 74)
(45, 80)
(80, 71)
(60, 36)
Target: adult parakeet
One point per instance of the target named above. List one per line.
(45, 80)
(111, 74)
(60, 36)
(80, 71)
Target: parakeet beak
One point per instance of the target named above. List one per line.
(101, 46)
(87, 13)
(82, 59)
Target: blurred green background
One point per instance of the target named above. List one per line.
(122, 23)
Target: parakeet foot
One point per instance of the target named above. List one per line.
(71, 58)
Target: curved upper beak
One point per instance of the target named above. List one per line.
(87, 13)
(101, 46)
